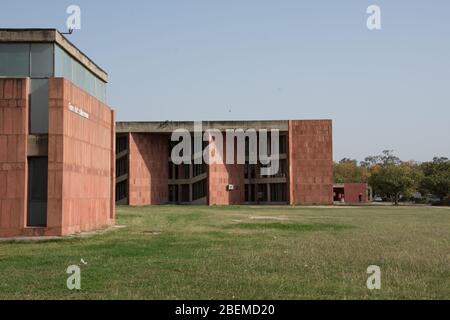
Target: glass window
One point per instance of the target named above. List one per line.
(69, 68)
(41, 60)
(38, 106)
(14, 59)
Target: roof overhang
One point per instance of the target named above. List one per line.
(52, 36)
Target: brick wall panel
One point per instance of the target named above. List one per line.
(148, 169)
(310, 162)
(353, 190)
(222, 175)
(80, 161)
(13, 162)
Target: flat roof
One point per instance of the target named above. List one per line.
(53, 36)
(170, 126)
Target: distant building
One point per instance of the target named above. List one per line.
(352, 193)
(146, 175)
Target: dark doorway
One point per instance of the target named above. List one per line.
(37, 191)
(339, 194)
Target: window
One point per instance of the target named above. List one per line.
(185, 193)
(199, 169)
(283, 144)
(38, 119)
(121, 191)
(199, 190)
(278, 192)
(41, 60)
(67, 67)
(262, 192)
(14, 59)
(173, 193)
(121, 144)
(122, 167)
(249, 193)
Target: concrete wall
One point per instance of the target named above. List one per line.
(13, 155)
(148, 169)
(353, 190)
(222, 175)
(81, 182)
(310, 162)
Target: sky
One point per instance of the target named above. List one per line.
(385, 89)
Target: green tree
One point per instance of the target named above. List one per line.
(348, 171)
(386, 157)
(393, 180)
(436, 178)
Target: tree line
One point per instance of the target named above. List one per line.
(394, 179)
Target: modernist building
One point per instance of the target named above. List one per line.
(57, 137)
(58, 149)
(147, 175)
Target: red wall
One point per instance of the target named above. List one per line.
(222, 175)
(148, 169)
(353, 190)
(310, 162)
(81, 152)
(13, 155)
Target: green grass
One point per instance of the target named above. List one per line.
(299, 227)
(242, 252)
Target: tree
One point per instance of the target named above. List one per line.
(386, 157)
(393, 180)
(348, 171)
(436, 178)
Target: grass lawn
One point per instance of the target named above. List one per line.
(242, 252)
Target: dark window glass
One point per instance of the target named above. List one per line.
(39, 106)
(121, 191)
(41, 60)
(278, 192)
(14, 59)
(121, 144)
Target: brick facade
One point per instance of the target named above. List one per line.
(81, 161)
(148, 169)
(13, 155)
(353, 190)
(310, 162)
(310, 168)
(222, 175)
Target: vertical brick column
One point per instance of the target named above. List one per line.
(112, 213)
(222, 175)
(310, 162)
(13, 155)
(148, 169)
(81, 161)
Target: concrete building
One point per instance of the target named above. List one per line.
(58, 150)
(57, 137)
(146, 174)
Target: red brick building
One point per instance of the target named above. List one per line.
(146, 175)
(59, 161)
(352, 193)
(57, 137)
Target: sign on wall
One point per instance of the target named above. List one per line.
(78, 111)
